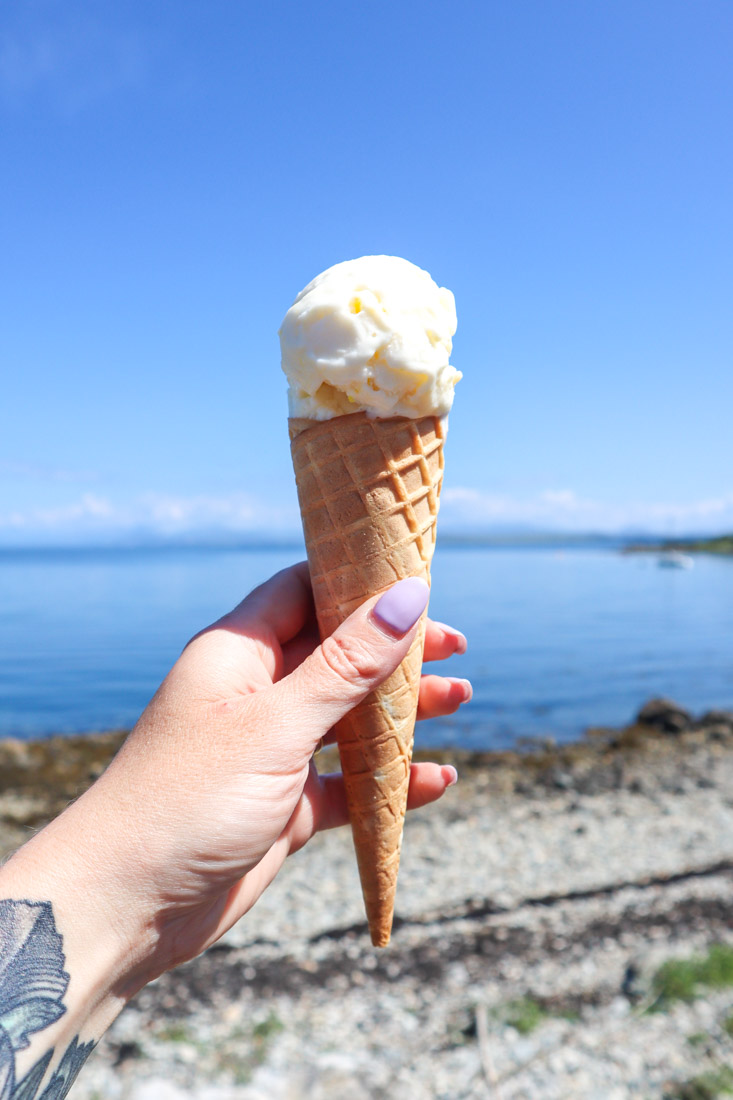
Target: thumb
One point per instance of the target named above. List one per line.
(354, 660)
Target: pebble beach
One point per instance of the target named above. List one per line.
(540, 905)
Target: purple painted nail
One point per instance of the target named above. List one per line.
(402, 605)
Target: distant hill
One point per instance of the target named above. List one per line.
(721, 544)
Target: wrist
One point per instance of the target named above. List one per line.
(76, 866)
(69, 961)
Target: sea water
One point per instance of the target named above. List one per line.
(559, 640)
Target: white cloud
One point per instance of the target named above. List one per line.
(92, 515)
(33, 471)
(68, 55)
(473, 505)
(234, 512)
(88, 507)
(709, 508)
(564, 509)
(155, 513)
(567, 500)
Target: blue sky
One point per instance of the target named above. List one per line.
(173, 174)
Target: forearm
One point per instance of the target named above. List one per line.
(69, 956)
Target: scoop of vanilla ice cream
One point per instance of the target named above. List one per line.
(374, 335)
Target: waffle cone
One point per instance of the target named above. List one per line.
(368, 492)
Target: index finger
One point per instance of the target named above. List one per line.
(284, 603)
(442, 641)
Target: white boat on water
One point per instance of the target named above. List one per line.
(675, 559)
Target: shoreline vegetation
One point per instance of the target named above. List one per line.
(40, 776)
(564, 930)
(721, 544)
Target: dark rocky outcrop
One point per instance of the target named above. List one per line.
(664, 715)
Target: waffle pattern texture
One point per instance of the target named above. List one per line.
(368, 492)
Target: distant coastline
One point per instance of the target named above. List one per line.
(627, 542)
(721, 544)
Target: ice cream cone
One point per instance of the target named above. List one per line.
(368, 492)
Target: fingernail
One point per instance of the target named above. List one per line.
(461, 642)
(450, 775)
(400, 607)
(466, 684)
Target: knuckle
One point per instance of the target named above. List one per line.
(350, 660)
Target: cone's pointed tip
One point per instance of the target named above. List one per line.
(380, 926)
(380, 937)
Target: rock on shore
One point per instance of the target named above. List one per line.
(536, 904)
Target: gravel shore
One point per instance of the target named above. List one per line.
(536, 903)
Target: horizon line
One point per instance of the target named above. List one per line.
(450, 538)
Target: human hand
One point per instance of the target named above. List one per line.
(217, 780)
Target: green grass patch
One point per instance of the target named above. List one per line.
(265, 1029)
(232, 1056)
(246, 1048)
(175, 1033)
(708, 1086)
(683, 979)
(524, 1015)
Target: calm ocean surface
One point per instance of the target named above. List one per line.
(559, 640)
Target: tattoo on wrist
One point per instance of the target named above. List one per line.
(32, 986)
